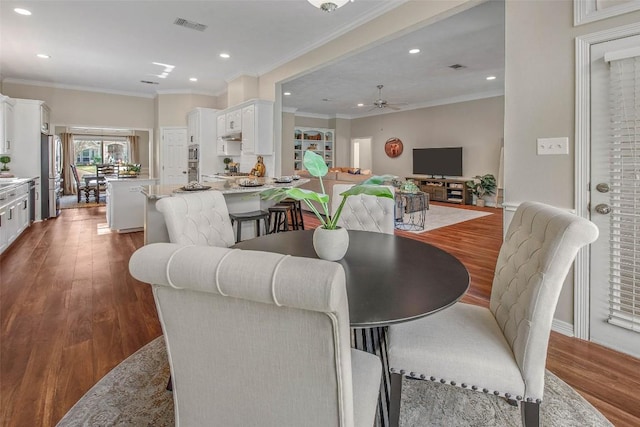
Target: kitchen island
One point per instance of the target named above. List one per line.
(125, 203)
(238, 198)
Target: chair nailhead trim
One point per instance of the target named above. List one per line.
(463, 385)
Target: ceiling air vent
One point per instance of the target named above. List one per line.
(457, 66)
(190, 24)
(149, 82)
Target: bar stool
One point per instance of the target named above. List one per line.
(256, 216)
(279, 217)
(297, 221)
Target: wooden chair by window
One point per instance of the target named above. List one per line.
(83, 187)
(103, 171)
(107, 169)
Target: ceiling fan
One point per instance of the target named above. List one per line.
(382, 103)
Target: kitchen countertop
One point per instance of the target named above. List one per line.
(230, 185)
(7, 183)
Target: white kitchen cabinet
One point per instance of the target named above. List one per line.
(14, 213)
(193, 123)
(224, 147)
(4, 215)
(234, 121)
(6, 125)
(202, 131)
(257, 128)
(26, 151)
(45, 120)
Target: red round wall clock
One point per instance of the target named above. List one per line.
(393, 147)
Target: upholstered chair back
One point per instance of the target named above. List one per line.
(539, 248)
(362, 212)
(199, 218)
(254, 338)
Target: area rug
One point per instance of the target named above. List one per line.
(133, 394)
(441, 216)
(71, 202)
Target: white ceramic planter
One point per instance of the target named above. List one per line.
(330, 245)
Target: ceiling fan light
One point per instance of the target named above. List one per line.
(328, 5)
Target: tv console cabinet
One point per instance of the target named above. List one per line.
(444, 190)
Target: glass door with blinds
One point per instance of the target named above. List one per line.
(615, 194)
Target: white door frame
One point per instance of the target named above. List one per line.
(368, 140)
(581, 288)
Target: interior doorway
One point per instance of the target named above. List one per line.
(361, 155)
(174, 155)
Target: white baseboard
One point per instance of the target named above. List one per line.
(562, 327)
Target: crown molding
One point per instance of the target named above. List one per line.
(184, 92)
(79, 88)
(381, 111)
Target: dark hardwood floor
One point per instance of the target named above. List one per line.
(70, 312)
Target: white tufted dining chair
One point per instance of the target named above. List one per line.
(363, 212)
(502, 349)
(199, 218)
(257, 338)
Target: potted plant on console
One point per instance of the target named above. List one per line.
(481, 186)
(329, 240)
(4, 172)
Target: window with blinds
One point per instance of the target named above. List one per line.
(624, 280)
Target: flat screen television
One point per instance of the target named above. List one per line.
(437, 161)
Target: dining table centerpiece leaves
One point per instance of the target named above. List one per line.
(329, 240)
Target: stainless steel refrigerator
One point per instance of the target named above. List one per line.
(51, 168)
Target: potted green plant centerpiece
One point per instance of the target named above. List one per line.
(4, 160)
(329, 240)
(481, 186)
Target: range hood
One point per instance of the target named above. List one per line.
(233, 137)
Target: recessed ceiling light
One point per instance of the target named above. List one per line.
(361, 105)
(414, 51)
(43, 56)
(491, 78)
(20, 11)
(193, 79)
(287, 93)
(225, 55)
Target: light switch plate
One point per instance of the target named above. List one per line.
(553, 146)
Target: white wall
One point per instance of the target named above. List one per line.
(539, 102)
(477, 126)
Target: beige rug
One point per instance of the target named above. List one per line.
(441, 216)
(133, 394)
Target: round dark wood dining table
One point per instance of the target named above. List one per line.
(390, 279)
